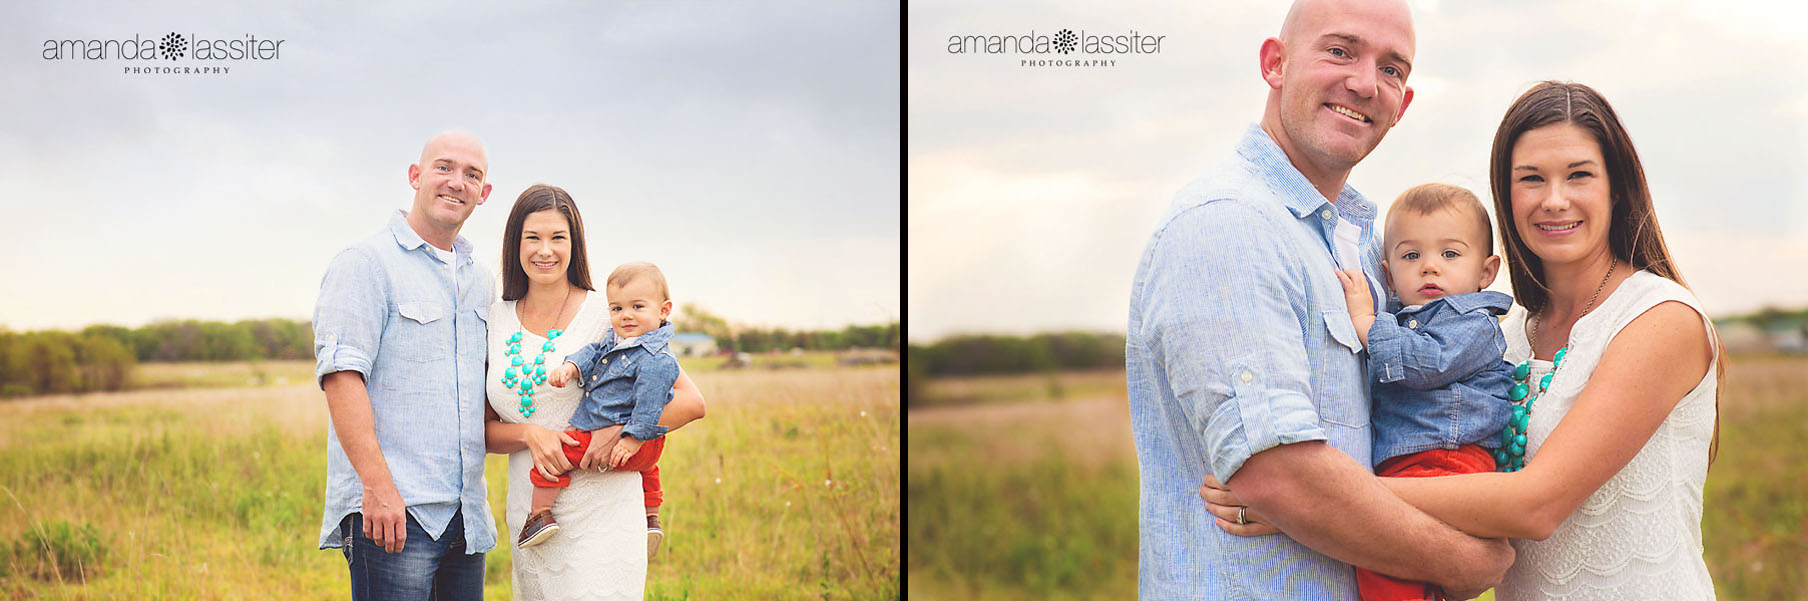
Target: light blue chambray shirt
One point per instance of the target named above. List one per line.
(389, 309)
(1239, 340)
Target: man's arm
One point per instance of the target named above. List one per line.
(1326, 501)
(1226, 330)
(385, 514)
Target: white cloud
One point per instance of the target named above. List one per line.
(1032, 192)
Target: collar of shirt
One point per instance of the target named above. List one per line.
(408, 239)
(1296, 192)
(1498, 302)
(654, 341)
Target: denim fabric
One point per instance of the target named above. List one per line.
(1440, 380)
(390, 310)
(424, 569)
(1239, 341)
(626, 383)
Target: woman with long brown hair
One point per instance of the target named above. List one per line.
(1617, 371)
(548, 311)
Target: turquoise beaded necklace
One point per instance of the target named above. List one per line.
(1510, 457)
(522, 377)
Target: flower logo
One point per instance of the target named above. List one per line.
(173, 46)
(1064, 41)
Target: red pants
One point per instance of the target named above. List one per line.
(645, 461)
(1466, 459)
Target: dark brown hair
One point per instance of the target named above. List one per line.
(541, 197)
(1632, 232)
(1423, 199)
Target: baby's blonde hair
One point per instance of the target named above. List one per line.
(629, 272)
(1425, 198)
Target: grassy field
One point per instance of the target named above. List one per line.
(1050, 511)
(789, 489)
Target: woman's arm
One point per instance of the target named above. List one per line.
(1648, 367)
(504, 437)
(686, 405)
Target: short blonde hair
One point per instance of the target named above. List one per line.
(629, 272)
(1423, 199)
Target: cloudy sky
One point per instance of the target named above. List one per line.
(1031, 191)
(763, 136)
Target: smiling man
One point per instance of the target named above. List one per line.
(1241, 361)
(399, 350)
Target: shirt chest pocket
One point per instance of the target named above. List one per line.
(1341, 343)
(420, 332)
(614, 367)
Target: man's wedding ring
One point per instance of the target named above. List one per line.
(1242, 512)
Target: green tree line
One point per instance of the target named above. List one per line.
(740, 338)
(978, 354)
(102, 357)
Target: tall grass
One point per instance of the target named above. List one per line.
(785, 491)
(1039, 500)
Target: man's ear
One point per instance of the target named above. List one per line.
(1490, 267)
(1273, 56)
(1405, 101)
(414, 176)
(485, 195)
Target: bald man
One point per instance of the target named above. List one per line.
(1240, 367)
(399, 350)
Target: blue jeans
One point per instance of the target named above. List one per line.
(437, 570)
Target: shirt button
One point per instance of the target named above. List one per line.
(1247, 376)
(1412, 323)
(1325, 213)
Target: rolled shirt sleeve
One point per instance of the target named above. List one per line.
(652, 391)
(1223, 328)
(348, 316)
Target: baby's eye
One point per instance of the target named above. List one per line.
(1411, 255)
(1451, 254)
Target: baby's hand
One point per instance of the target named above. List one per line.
(624, 450)
(564, 372)
(1356, 293)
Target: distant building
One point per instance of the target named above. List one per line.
(693, 344)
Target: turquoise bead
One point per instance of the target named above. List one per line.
(1519, 411)
(1519, 391)
(1523, 371)
(1519, 422)
(551, 334)
(514, 349)
(515, 360)
(540, 359)
(540, 370)
(539, 379)
(1519, 441)
(1500, 457)
(1516, 450)
(1544, 383)
(509, 373)
(1558, 358)
(546, 348)
(516, 337)
(1506, 437)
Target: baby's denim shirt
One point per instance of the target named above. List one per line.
(626, 383)
(1441, 381)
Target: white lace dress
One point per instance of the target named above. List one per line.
(1639, 535)
(600, 551)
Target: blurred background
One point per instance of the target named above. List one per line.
(1032, 190)
(165, 228)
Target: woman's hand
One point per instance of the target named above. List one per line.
(601, 443)
(1225, 506)
(544, 445)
